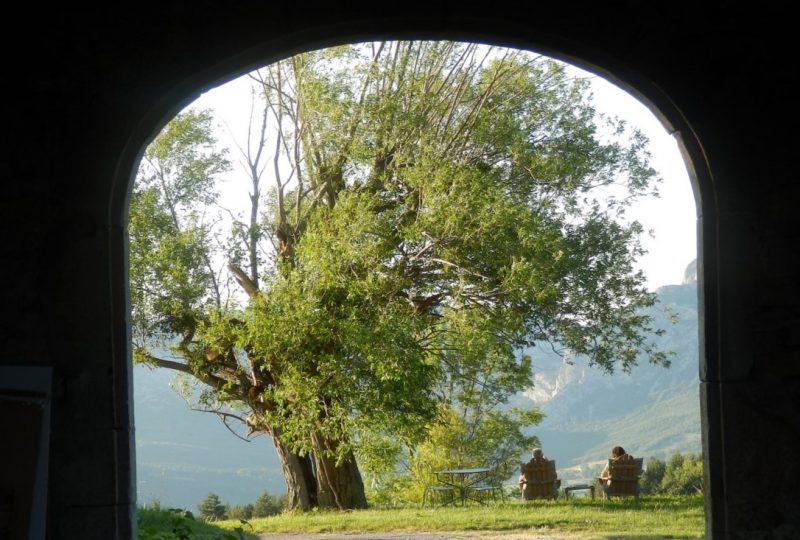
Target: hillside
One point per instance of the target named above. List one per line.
(651, 412)
(182, 455)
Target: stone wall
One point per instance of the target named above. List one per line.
(87, 89)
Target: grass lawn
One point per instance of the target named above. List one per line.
(174, 524)
(651, 517)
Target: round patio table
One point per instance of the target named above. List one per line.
(463, 480)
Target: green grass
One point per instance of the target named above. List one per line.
(156, 523)
(652, 517)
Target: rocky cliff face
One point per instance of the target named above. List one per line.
(651, 412)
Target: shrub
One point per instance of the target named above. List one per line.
(267, 505)
(396, 491)
(236, 511)
(683, 475)
(680, 475)
(652, 476)
(211, 508)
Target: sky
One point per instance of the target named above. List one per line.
(671, 217)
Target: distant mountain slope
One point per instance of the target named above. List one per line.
(182, 455)
(652, 412)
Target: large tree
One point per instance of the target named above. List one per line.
(428, 204)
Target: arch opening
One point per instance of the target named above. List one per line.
(662, 116)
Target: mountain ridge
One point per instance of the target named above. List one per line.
(653, 412)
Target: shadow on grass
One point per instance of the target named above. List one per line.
(650, 502)
(635, 537)
(543, 525)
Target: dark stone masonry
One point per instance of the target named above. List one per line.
(86, 89)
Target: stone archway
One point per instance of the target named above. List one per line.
(670, 118)
(80, 114)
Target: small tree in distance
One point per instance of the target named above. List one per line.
(239, 511)
(679, 475)
(266, 505)
(211, 509)
(683, 475)
(652, 476)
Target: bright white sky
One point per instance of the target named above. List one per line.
(671, 217)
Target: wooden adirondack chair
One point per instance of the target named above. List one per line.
(623, 477)
(539, 480)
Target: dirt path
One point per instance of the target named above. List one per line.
(461, 535)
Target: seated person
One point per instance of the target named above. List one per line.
(617, 453)
(537, 456)
(533, 475)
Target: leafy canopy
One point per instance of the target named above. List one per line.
(433, 207)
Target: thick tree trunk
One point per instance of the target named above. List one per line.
(318, 481)
(338, 486)
(298, 474)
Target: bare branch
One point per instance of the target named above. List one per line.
(211, 380)
(244, 280)
(224, 417)
(459, 267)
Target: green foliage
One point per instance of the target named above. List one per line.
(461, 439)
(392, 489)
(156, 523)
(648, 517)
(211, 508)
(683, 475)
(243, 512)
(447, 203)
(267, 505)
(473, 427)
(171, 242)
(652, 476)
(680, 475)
